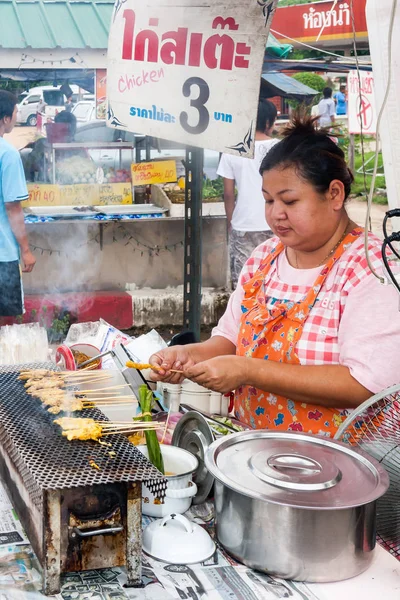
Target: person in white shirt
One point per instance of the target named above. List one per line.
(245, 213)
(326, 109)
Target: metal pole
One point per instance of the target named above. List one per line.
(351, 152)
(193, 240)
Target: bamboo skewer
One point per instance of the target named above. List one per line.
(143, 366)
(126, 431)
(94, 403)
(113, 387)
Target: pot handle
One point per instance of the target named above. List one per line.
(294, 461)
(187, 492)
(183, 520)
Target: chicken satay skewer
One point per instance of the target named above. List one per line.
(143, 366)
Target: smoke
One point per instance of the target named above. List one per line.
(69, 262)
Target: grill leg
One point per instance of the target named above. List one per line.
(52, 543)
(134, 535)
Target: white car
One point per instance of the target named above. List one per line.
(84, 111)
(29, 102)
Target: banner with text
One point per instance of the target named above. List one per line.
(361, 103)
(188, 71)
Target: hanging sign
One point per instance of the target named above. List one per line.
(161, 171)
(188, 70)
(361, 103)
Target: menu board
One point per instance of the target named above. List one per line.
(188, 71)
(161, 171)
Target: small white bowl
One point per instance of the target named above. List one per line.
(180, 488)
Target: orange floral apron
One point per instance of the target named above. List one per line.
(272, 334)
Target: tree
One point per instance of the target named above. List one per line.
(312, 80)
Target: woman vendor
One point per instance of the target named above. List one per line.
(309, 333)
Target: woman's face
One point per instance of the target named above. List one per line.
(300, 216)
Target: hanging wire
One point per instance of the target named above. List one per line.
(368, 224)
(346, 59)
(376, 161)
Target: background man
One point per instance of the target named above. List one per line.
(13, 237)
(326, 109)
(245, 213)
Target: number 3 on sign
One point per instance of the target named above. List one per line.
(199, 102)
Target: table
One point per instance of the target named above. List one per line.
(219, 578)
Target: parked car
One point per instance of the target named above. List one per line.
(28, 107)
(53, 97)
(84, 111)
(97, 131)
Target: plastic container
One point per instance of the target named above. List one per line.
(172, 396)
(180, 487)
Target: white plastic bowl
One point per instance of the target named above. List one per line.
(180, 488)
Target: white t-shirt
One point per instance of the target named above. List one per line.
(249, 213)
(326, 110)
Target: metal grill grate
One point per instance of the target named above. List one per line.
(46, 460)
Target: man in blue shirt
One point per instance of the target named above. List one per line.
(14, 244)
(340, 100)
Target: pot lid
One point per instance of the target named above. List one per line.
(177, 541)
(296, 469)
(193, 433)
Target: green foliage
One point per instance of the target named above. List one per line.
(358, 186)
(312, 80)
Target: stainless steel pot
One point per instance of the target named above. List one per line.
(295, 505)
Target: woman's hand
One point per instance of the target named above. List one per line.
(221, 374)
(176, 357)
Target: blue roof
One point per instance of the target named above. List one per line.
(287, 86)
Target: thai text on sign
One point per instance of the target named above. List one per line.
(361, 103)
(327, 20)
(43, 195)
(154, 172)
(188, 71)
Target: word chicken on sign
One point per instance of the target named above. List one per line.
(188, 70)
(361, 103)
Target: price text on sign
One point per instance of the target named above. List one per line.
(154, 172)
(43, 195)
(188, 73)
(79, 194)
(115, 193)
(361, 103)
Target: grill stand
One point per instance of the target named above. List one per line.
(77, 518)
(134, 537)
(52, 563)
(52, 542)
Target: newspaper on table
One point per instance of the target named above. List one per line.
(11, 531)
(219, 578)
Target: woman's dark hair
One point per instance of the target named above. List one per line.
(266, 115)
(311, 151)
(67, 117)
(327, 92)
(7, 104)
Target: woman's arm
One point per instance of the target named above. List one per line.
(325, 385)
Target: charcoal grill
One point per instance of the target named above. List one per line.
(76, 517)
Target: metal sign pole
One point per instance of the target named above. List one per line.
(193, 240)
